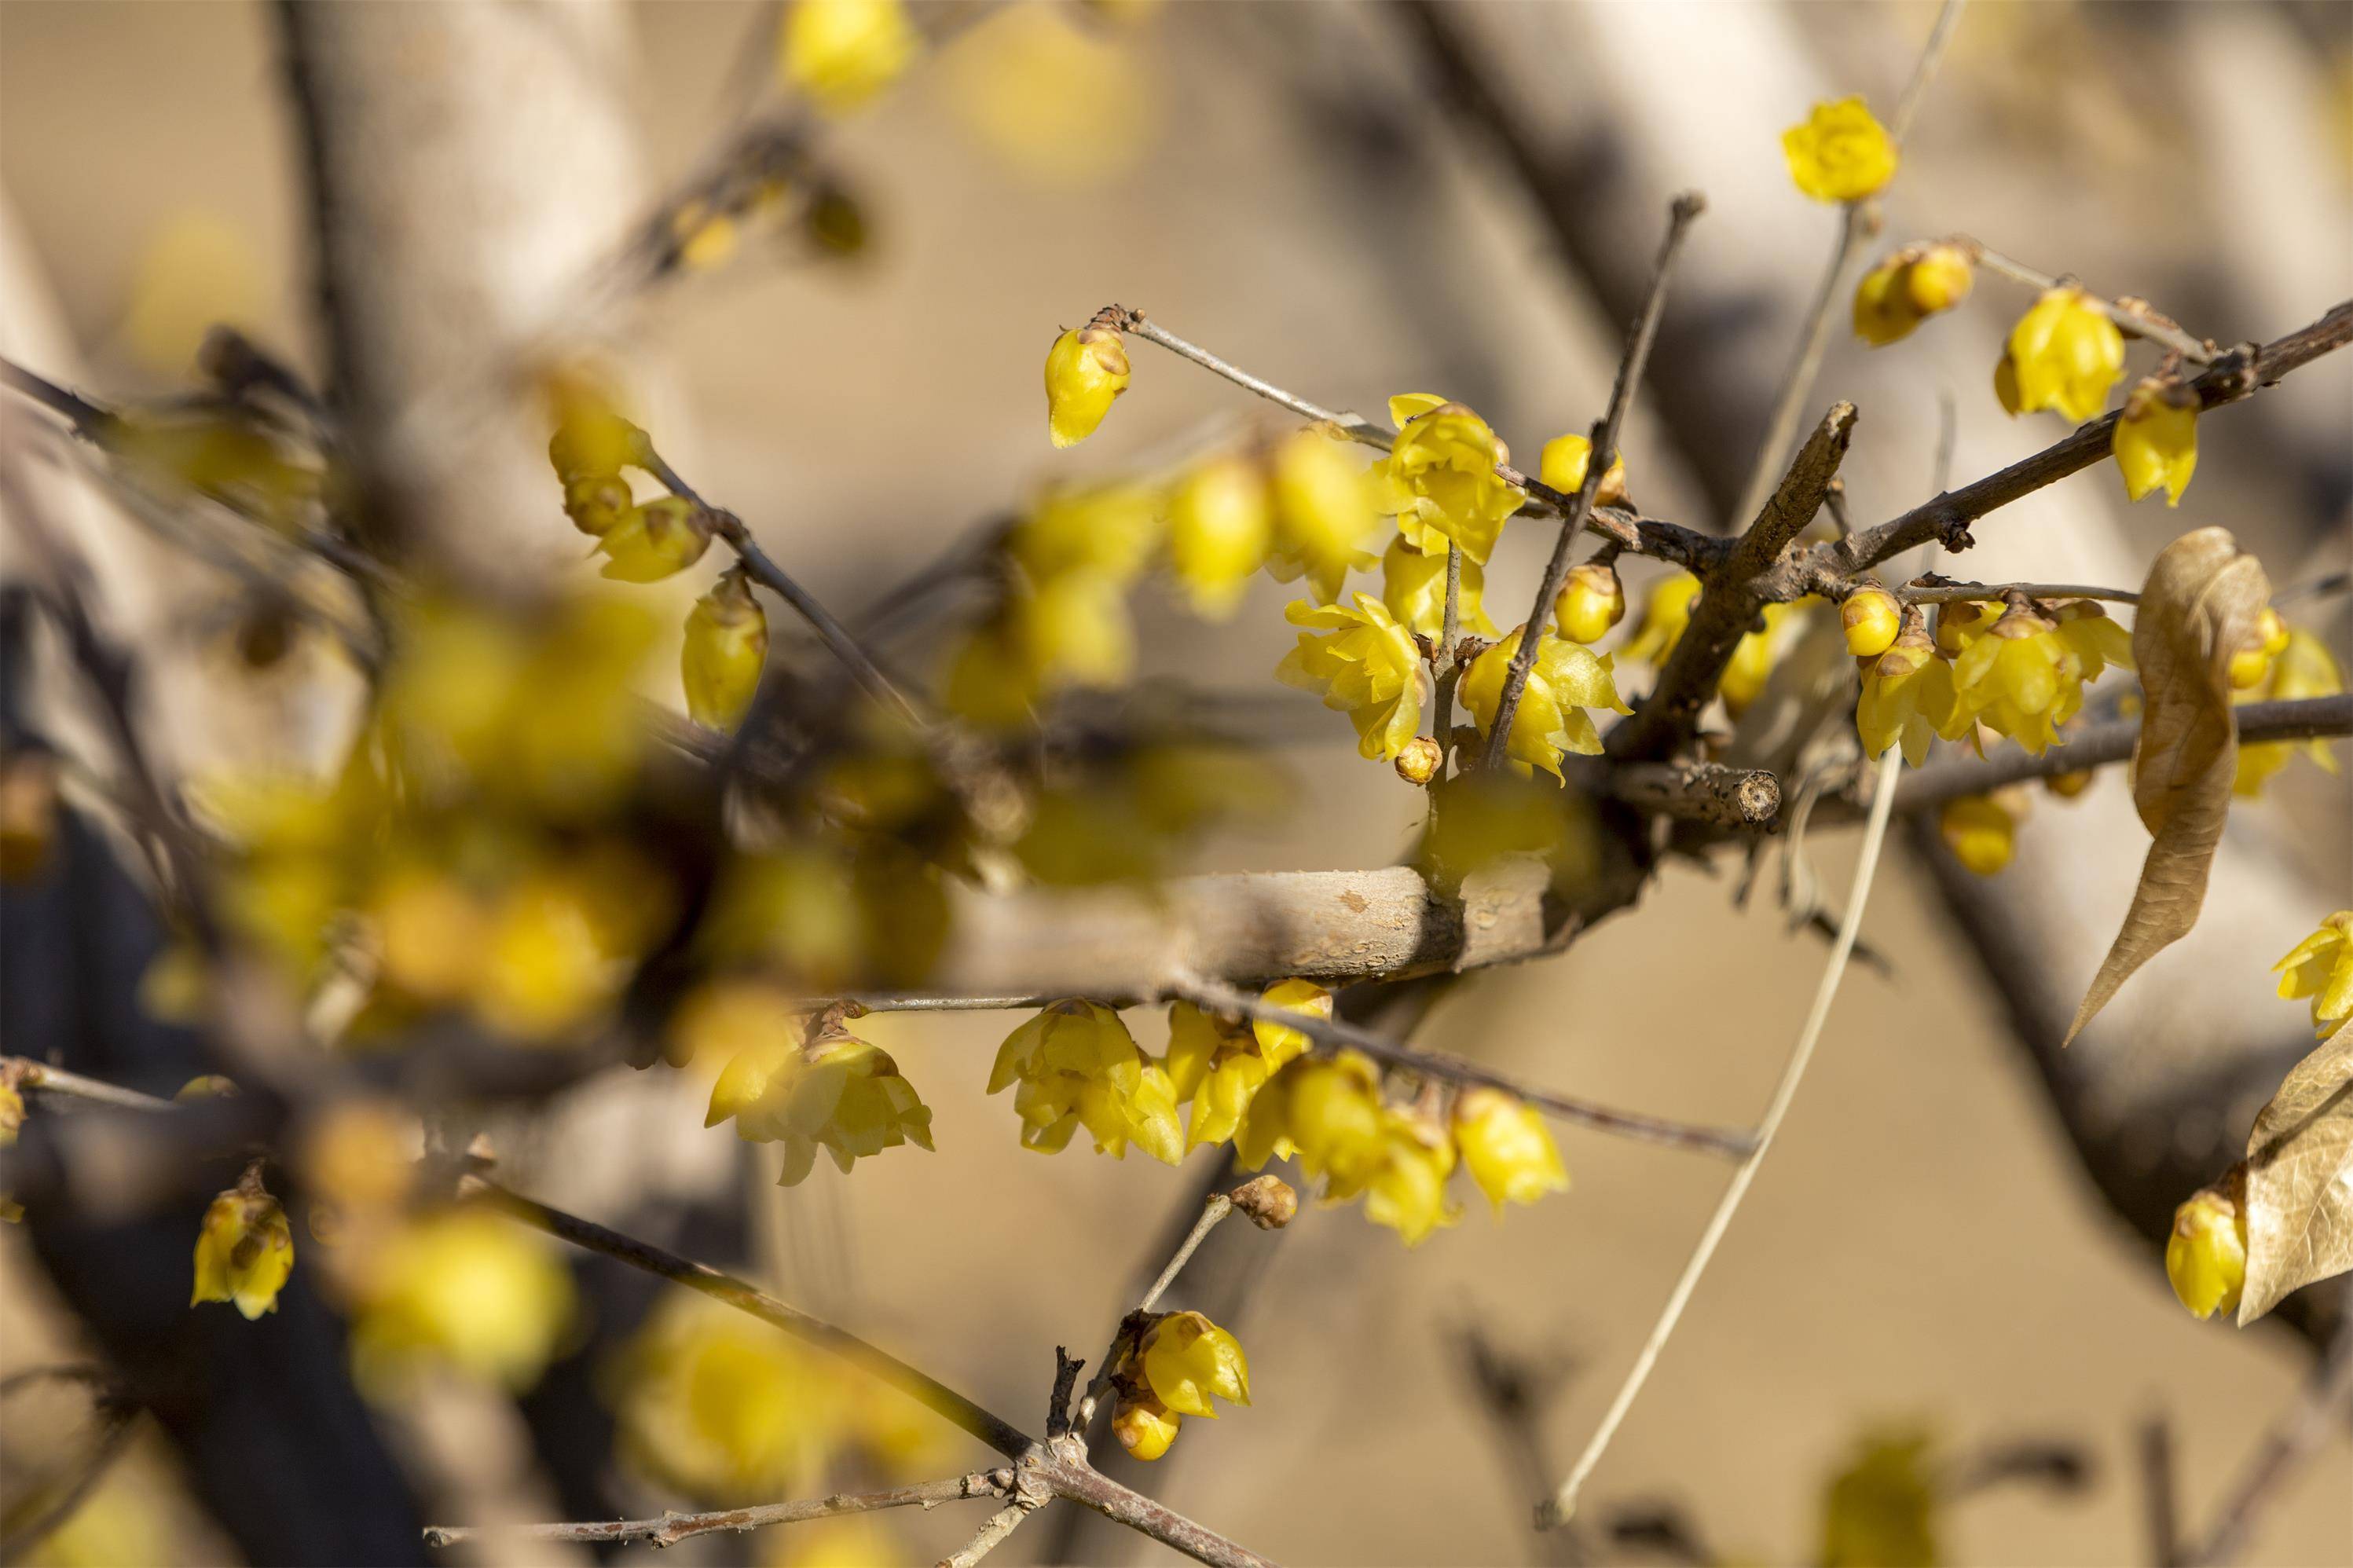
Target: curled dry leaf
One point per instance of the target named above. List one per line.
(2198, 607)
(2300, 1180)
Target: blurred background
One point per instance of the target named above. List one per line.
(1303, 188)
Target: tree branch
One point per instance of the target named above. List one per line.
(673, 1528)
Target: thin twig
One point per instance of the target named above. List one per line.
(1562, 1504)
(1797, 388)
(1932, 54)
(1219, 1206)
(2319, 1408)
(773, 577)
(42, 1078)
(2134, 316)
(1000, 1524)
(1942, 593)
(1223, 998)
(2159, 1497)
(2313, 587)
(673, 1528)
(1681, 213)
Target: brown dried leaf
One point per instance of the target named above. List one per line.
(2198, 607)
(2300, 1180)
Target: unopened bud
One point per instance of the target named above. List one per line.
(2206, 1257)
(1269, 1201)
(1590, 603)
(1419, 761)
(1871, 621)
(1145, 1427)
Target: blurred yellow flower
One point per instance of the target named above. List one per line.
(2303, 667)
(724, 1408)
(2065, 353)
(1881, 1510)
(1325, 513)
(726, 647)
(461, 1288)
(1220, 527)
(245, 1250)
(1840, 153)
(1363, 663)
(1980, 831)
(663, 537)
(12, 1120)
(1439, 477)
(1066, 103)
(843, 52)
(1906, 289)
(1666, 611)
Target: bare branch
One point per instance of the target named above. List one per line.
(2135, 316)
(39, 1077)
(1702, 792)
(673, 1528)
(2319, 1409)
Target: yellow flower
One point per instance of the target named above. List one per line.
(1563, 466)
(463, 1287)
(2065, 353)
(1363, 663)
(1506, 1147)
(1079, 1067)
(1880, 1510)
(1108, 530)
(592, 440)
(726, 647)
(1218, 1064)
(652, 541)
(1405, 1187)
(842, 52)
(1072, 630)
(2305, 667)
(2250, 666)
(2086, 630)
(1666, 611)
(546, 963)
(2206, 1256)
(1980, 831)
(1906, 289)
(1187, 1361)
(1840, 154)
(837, 1093)
(596, 503)
(1751, 664)
(1907, 697)
(1590, 603)
(1221, 526)
(12, 1119)
(1086, 369)
(1325, 514)
(1871, 621)
(1440, 480)
(1413, 586)
(2321, 967)
(2156, 441)
(1145, 1427)
(245, 1250)
(1325, 1111)
(1565, 680)
(1963, 621)
(722, 1406)
(2022, 680)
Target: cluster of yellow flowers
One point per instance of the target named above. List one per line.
(842, 53)
(2018, 670)
(2321, 967)
(1172, 1365)
(833, 1091)
(725, 1411)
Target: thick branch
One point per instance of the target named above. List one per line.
(1700, 792)
(1728, 605)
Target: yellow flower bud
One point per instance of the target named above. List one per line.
(1590, 603)
(591, 440)
(206, 1086)
(1221, 526)
(2321, 967)
(1840, 154)
(1563, 466)
(245, 1250)
(1086, 369)
(597, 502)
(725, 649)
(1980, 831)
(1145, 1427)
(1186, 1359)
(842, 52)
(2065, 353)
(1506, 1147)
(652, 541)
(1961, 623)
(2205, 1257)
(2156, 440)
(1269, 1201)
(1872, 620)
(1441, 476)
(1910, 285)
(2273, 630)
(1419, 762)
(2069, 784)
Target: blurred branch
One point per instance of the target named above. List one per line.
(23, 1072)
(2319, 1409)
(2160, 1498)
(1682, 212)
(673, 1528)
